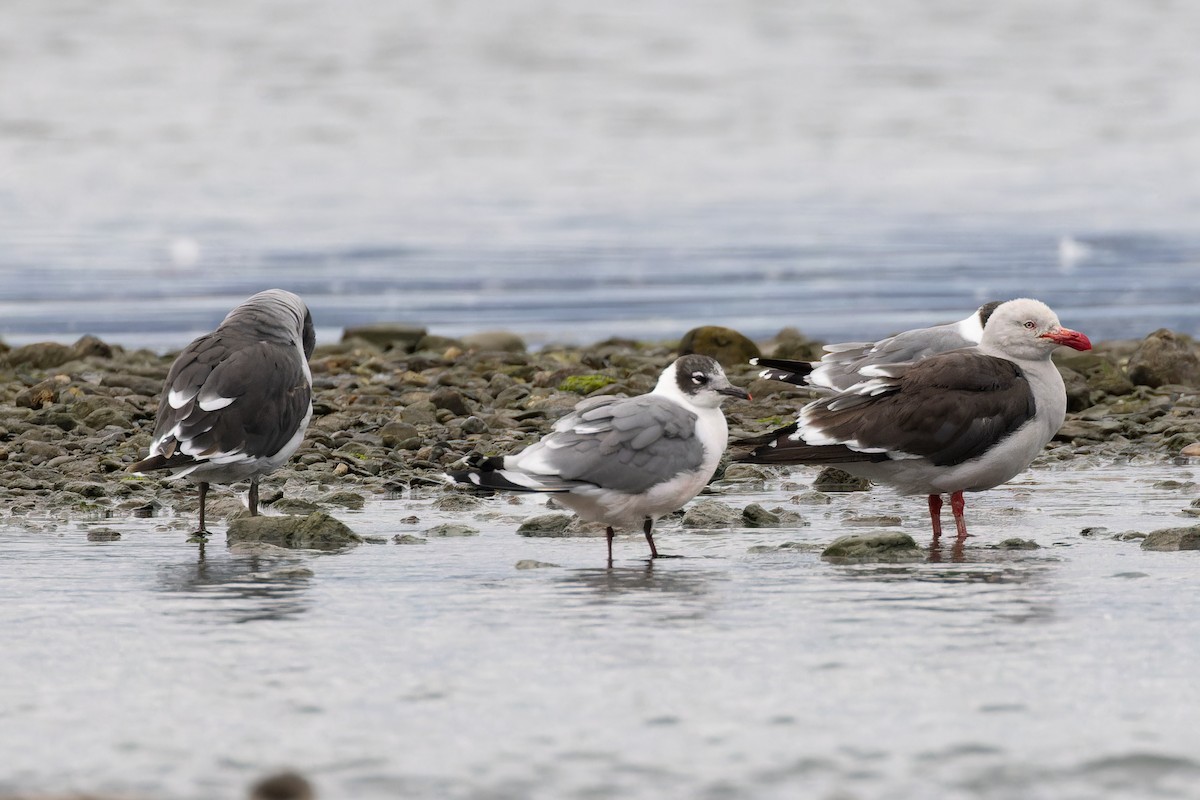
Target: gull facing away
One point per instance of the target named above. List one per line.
(841, 366)
(961, 421)
(625, 461)
(238, 400)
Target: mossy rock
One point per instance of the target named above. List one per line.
(585, 384)
(317, 531)
(888, 548)
(726, 345)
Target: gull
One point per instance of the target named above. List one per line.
(966, 420)
(625, 461)
(237, 401)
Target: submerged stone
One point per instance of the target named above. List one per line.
(881, 547)
(103, 535)
(451, 529)
(529, 563)
(317, 531)
(1016, 543)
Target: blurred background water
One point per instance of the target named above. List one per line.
(574, 172)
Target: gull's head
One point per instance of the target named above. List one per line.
(1028, 329)
(277, 315)
(699, 381)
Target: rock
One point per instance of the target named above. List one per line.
(257, 549)
(726, 345)
(450, 529)
(755, 516)
(494, 341)
(749, 472)
(283, 786)
(39, 355)
(1079, 394)
(529, 563)
(831, 479)
(407, 538)
(283, 573)
(1173, 484)
(710, 514)
(394, 433)
(103, 535)
(42, 393)
(795, 346)
(473, 424)
(545, 525)
(387, 335)
(585, 384)
(89, 346)
(811, 498)
(456, 502)
(352, 500)
(423, 413)
(1100, 373)
(1168, 539)
(1019, 544)
(882, 547)
(873, 520)
(1165, 357)
(293, 506)
(317, 531)
(785, 547)
(450, 400)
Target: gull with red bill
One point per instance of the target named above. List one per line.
(965, 420)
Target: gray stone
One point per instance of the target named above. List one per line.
(493, 341)
(352, 500)
(1019, 544)
(420, 413)
(709, 514)
(450, 400)
(293, 506)
(546, 525)
(1165, 357)
(726, 345)
(103, 535)
(407, 538)
(881, 547)
(529, 563)
(755, 516)
(831, 479)
(388, 335)
(1168, 539)
(317, 531)
(393, 433)
(450, 529)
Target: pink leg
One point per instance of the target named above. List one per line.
(935, 514)
(957, 504)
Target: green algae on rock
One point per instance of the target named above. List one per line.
(887, 548)
(316, 531)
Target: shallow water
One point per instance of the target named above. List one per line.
(442, 671)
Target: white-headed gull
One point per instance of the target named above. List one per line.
(962, 421)
(238, 400)
(841, 366)
(625, 461)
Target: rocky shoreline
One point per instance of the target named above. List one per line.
(395, 405)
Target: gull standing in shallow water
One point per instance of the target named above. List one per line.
(238, 400)
(841, 366)
(625, 461)
(962, 421)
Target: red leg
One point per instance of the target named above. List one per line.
(608, 533)
(649, 538)
(957, 504)
(935, 514)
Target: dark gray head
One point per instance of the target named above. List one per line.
(699, 381)
(985, 311)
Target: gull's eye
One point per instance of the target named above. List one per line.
(699, 378)
(1030, 324)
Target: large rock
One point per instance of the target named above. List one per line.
(388, 335)
(546, 525)
(831, 479)
(494, 341)
(881, 547)
(726, 345)
(1173, 539)
(317, 531)
(1165, 357)
(711, 514)
(1101, 374)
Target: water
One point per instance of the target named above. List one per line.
(441, 671)
(579, 173)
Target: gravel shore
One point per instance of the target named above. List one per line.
(395, 405)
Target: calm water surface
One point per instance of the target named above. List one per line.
(442, 671)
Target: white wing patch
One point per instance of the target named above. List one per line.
(178, 399)
(215, 403)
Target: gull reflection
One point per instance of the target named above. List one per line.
(240, 588)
